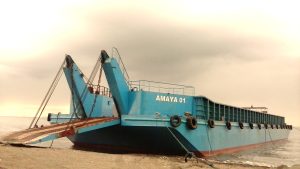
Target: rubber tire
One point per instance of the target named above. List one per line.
(266, 126)
(251, 125)
(191, 123)
(241, 125)
(175, 121)
(228, 125)
(211, 123)
(259, 126)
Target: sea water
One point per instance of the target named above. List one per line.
(285, 152)
(276, 154)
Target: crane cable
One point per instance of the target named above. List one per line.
(84, 93)
(97, 90)
(94, 72)
(53, 86)
(47, 96)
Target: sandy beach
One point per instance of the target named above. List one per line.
(33, 157)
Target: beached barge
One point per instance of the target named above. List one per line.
(153, 117)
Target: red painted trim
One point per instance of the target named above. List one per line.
(233, 149)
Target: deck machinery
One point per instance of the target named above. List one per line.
(153, 117)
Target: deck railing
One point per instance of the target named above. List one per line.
(101, 90)
(161, 87)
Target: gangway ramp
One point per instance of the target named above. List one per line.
(55, 131)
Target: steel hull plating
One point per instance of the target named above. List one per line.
(203, 141)
(145, 109)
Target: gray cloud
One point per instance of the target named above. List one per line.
(160, 49)
(222, 63)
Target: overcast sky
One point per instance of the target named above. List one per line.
(233, 52)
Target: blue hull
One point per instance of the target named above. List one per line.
(120, 139)
(164, 118)
(203, 141)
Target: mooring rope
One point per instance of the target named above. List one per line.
(208, 139)
(189, 154)
(185, 149)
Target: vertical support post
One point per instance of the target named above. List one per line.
(228, 112)
(220, 112)
(244, 118)
(260, 118)
(239, 114)
(247, 119)
(224, 112)
(214, 117)
(207, 109)
(232, 113)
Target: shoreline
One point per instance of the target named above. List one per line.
(40, 157)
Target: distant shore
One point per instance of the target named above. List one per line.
(33, 157)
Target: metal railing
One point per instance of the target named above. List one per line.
(102, 90)
(161, 87)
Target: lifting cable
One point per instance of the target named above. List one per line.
(73, 102)
(94, 71)
(89, 82)
(84, 93)
(98, 89)
(47, 96)
(53, 86)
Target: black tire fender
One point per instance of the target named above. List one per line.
(259, 126)
(228, 125)
(266, 126)
(251, 125)
(191, 122)
(175, 121)
(211, 123)
(241, 124)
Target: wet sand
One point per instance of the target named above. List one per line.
(12, 157)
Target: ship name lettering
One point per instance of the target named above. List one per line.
(172, 99)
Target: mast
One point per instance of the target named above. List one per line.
(117, 83)
(77, 86)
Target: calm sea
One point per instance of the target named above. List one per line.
(284, 153)
(273, 154)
